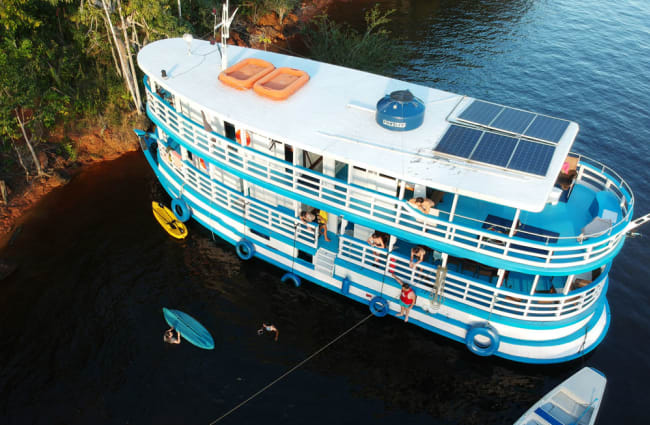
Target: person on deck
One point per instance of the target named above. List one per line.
(172, 336)
(377, 239)
(423, 204)
(406, 299)
(320, 217)
(417, 252)
(266, 327)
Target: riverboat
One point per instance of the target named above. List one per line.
(357, 182)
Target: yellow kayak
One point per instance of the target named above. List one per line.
(168, 221)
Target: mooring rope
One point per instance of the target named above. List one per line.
(291, 370)
(295, 235)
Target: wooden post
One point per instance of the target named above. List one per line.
(3, 193)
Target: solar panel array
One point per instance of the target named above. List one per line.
(495, 149)
(515, 121)
(529, 151)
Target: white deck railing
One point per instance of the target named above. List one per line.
(390, 211)
(251, 210)
(460, 288)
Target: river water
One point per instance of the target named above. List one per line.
(81, 317)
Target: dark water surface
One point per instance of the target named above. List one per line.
(81, 318)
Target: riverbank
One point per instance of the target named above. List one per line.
(68, 151)
(86, 146)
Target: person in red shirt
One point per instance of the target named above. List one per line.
(406, 299)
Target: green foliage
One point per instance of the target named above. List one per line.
(68, 149)
(373, 50)
(281, 7)
(254, 9)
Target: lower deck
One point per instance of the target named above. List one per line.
(451, 306)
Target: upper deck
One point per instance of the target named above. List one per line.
(334, 115)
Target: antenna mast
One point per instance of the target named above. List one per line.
(225, 32)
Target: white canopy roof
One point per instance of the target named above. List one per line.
(334, 115)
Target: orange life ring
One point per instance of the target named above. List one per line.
(205, 167)
(238, 135)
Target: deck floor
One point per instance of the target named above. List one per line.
(565, 218)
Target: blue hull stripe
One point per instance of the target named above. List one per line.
(415, 238)
(579, 334)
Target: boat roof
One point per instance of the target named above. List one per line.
(334, 115)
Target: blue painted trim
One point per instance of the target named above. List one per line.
(590, 325)
(484, 315)
(414, 238)
(547, 417)
(261, 229)
(421, 324)
(464, 307)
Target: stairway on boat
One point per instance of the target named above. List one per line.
(324, 261)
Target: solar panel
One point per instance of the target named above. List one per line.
(480, 112)
(497, 150)
(547, 128)
(458, 141)
(494, 149)
(513, 120)
(510, 120)
(532, 157)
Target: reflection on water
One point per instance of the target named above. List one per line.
(82, 321)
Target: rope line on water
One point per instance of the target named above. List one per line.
(290, 370)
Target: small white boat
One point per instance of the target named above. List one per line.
(574, 401)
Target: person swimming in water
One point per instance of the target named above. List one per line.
(172, 336)
(269, 328)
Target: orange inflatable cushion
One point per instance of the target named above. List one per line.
(281, 83)
(245, 73)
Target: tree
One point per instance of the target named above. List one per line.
(281, 7)
(339, 44)
(27, 101)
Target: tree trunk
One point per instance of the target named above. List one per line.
(4, 199)
(117, 66)
(120, 51)
(39, 171)
(134, 81)
(20, 159)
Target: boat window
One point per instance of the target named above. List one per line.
(198, 162)
(288, 153)
(437, 196)
(217, 125)
(312, 161)
(230, 130)
(165, 95)
(260, 234)
(341, 170)
(172, 154)
(305, 256)
(190, 112)
(373, 180)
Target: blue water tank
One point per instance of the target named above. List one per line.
(400, 111)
